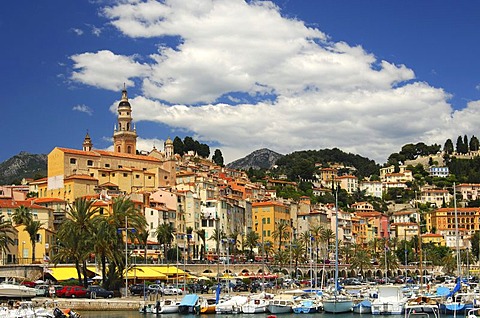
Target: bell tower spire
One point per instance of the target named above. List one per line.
(124, 134)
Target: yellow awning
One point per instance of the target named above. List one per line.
(65, 273)
(168, 270)
(145, 272)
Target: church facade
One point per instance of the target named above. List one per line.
(74, 173)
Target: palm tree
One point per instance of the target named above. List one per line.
(105, 239)
(164, 235)
(6, 234)
(189, 231)
(143, 236)
(233, 240)
(22, 215)
(328, 236)
(298, 253)
(77, 230)
(316, 232)
(251, 241)
(361, 260)
(218, 236)
(202, 235)
(281, 233)
(32, 228)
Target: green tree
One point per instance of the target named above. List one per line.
(189, 144)
(361, 260)
(76, 233)
(281, 233)
(189, 231)
(178, 146)
(448, 147)
(32, 228)
(218, 157)
(6, 234)
(202, 236)
(164, 233)
(252, 238)
(22, 215)
(474, 144)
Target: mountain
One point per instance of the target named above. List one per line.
(259, 159)
(23, 165)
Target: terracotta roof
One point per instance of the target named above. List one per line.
(16, 204)
(267, 203)
(78, 152)
(108, 184)
(47, 200)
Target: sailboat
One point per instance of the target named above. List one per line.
(337, 303)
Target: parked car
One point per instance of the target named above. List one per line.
(72, 291)
(138, 289)
(170, 290)
(240, 287)
(42, 290)
(155, 289)
(97, 291)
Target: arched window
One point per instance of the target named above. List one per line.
(118, 149)
(129, 149)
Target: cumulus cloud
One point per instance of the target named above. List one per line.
(83, 109)
(300, 89)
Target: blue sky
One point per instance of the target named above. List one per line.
(364, 76)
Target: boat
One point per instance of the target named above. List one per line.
(206, 306)
(390, 301)
(307, 306)
(422, 310)
(458, 303)
(255, 305)
(280, 304)
(188, 303)
(12, 290)
(231, 306)
(473, 313)
(337, 303)
(363, 307)
(422, 304)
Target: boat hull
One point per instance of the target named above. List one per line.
(336, 306)
(278, 309)
(254, 309)
(363, 307)
(387, 308)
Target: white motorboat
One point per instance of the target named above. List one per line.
(281, 304)
(390, 301)
(255, 305)
(12, 290)
(307, 306)
(363, 307)
(231, 306)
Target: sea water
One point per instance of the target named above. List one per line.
(134, 314)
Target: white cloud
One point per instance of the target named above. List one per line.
(77, 31)
(306, 91)
(83, 109)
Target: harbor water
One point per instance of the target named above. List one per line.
(133, 314)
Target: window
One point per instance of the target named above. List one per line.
(89, 162)
(151, 212)
(107, 165)
(149, 177)
(113, 174)
(73, 161)
(104, 175)
(204, 223)
(137, 176)
(120, 166)
(125, 175)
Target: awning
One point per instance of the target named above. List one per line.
(145, 272)
(66, 273)
(169, 270)
(189, 300)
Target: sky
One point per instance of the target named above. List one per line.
(364, 76)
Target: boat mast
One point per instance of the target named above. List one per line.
(456, 230)
(336, 241)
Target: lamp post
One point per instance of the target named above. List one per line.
(126, 228)
(263, 257)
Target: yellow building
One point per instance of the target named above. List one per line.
(75, 173)
(266, 217)
(436, 239)
(44, 243)
(444, 219)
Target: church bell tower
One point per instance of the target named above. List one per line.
(124, 134)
